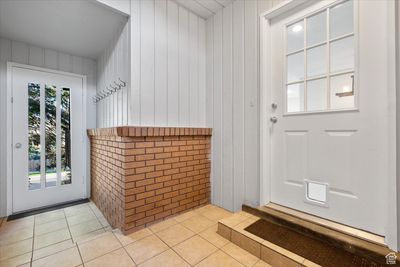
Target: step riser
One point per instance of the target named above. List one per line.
(260, 248)
(338, 240)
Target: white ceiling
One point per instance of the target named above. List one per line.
(204, 8)
(79, 27)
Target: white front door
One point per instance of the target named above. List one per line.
(329, 113)
(47, 138)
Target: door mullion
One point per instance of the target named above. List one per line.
(42, 136)
(58, 134)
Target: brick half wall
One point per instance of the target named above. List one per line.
(140, 175)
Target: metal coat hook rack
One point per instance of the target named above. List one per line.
(110, 89)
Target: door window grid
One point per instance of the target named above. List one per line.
(49, 136)
(296, 100)
(34, 148)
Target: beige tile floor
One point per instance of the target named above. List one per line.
(81, 236)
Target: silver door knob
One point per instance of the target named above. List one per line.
(274, 106)
(274, 119)
(18, 145)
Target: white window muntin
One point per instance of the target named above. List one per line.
(329, 73)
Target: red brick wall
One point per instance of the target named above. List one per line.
(107, 178)
(141, 177)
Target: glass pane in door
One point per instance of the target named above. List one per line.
(295, 97)
(342, 91)
(316, 29)
(342, 54)
(50, 133)
(34, 136)
(316, 61)
(65, 136)
(295, 37)
(295, 67)
(341, 19)
(317, 95)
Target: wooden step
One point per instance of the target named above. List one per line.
(236, 229)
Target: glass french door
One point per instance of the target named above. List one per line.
(47, 138)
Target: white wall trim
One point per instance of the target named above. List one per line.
(391, 236)
(9, 125)
(282, 8)
(265, 89)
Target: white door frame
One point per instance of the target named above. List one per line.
(9, 126)
(392, 235)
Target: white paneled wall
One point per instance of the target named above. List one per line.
(113, 65)
(232, 97)
(40, 57)
(168, 70)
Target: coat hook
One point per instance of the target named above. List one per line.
(108, 92)
(123, 83)
(113, 89)
(117, 84)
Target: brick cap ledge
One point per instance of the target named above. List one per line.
(135, 131)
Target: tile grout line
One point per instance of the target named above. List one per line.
(33, 247)
(150, 230)
(33, 239)
(195, 234)
(170, 246)
(123, 247)
(54, 252)
(69, 230)
(201, 259)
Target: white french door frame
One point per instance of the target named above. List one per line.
(392, 235)
(9, 125)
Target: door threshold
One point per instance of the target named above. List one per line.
(27, 213)
(367, 236)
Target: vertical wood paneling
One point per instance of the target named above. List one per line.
(19, 53)
(161, 82)
(114, 73)
(89, 69)
(201, 120)
(135, 19)
(36, 56)
(126, 73)
(217, 115)
(264, 5)
(113, 65)
(25, 54)
(77, 64)
(50, 59)
(183, 67)
(120, 66)
(5, 55)
(210, 72)
(147, 62)
(193, 70)
(167, 68)
(168, 83)
(238, 102)
(233, 89)
(65, 62)
(227, 110)
(99, 105)
(173, 64)
(251, 149)
(107, 101)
